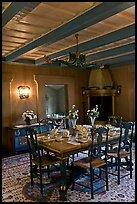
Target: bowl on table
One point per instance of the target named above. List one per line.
(58, 137)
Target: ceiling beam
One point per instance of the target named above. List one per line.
(88, 18)
(100, 41)
(112, 52)
(11, 11)
(119, 59)
(25, 61)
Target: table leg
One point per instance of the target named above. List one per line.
(63, 182)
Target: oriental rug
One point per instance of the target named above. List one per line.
(16, 185)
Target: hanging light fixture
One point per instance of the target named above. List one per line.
(75, 59)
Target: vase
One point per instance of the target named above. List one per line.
(73, 123)
(27, 121)
(92, 120)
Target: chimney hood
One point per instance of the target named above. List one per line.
(100, 82)
(100, 79)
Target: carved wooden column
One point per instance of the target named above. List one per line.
(6, 98)
(113, 104)
(6, 105)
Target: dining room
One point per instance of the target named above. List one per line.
(60, 58)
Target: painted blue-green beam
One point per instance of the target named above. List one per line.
(106, 53)
(93, 16)
(120, 59)
(13, 9)
(100, 41)
(112, 52)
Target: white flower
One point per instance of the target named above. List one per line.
(29, 114)
(94, 112)
(73, 113)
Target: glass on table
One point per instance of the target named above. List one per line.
(72, 138)
(49, 136)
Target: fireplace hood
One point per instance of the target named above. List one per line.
(100, 83)
(100, 79)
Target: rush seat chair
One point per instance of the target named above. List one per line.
(39, 163)
(120, 157)
(95, 160)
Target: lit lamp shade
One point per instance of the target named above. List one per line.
(23, 92)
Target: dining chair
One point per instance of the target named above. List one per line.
(96, 160)
(120, 157)
(39, 163)
(115, 120)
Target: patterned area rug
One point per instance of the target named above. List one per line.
(33, 193)
(16, 185)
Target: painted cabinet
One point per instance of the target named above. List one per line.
(16, 137)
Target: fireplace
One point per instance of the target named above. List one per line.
(104, 106)
(101, 92)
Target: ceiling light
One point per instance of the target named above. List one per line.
(75, 59)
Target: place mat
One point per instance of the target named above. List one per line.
(41, 136)
(82, 141)
(73, 142)
(46, 140)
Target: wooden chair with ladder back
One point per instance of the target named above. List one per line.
(97, 159)
(39, 163)
(120, 157)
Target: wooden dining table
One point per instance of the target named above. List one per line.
(66, 147)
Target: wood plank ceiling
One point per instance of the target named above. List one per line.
(33, 31)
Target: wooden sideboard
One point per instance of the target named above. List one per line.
(16, 141)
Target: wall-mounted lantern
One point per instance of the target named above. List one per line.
(24, 92)
(118, 90)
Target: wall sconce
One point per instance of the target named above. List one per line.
(23, 92)
(83, 90)
(118, 90)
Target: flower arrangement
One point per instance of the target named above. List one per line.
(29, 114)
(73, 113)
(94, 112)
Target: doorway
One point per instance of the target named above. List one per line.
(56, 99)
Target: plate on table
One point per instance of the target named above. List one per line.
(111, 134)
(84, 130)
(87, 126)
(41, 136)
(65, 133)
